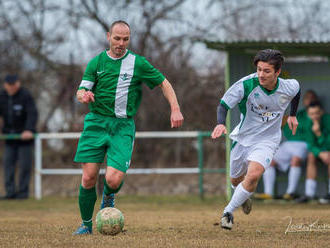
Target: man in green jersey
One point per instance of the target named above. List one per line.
(111, 85)
(319, 149)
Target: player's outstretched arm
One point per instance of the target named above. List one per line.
(176, 115)
(84, 96)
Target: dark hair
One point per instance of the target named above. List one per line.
(311, 92)
(118, 22)
(273, 57)
(11, 78)
(315, 104)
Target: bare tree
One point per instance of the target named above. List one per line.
(50, 42)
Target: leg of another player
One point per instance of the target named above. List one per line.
(113, 182)
(293, 178)
(326, 199)
(269, 178)
(329, 181)
(310, 184)
(326, 160)
(311, 174)
(87, 197)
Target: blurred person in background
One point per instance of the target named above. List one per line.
(19, 114)
(292, 154)
(111, 85)
(319, 151)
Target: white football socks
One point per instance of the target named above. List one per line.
(239, 197)
(310, 187)
(269, 177)
(294, 176)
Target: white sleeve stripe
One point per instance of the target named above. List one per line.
(87, 84)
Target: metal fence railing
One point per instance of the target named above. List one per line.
(199, 169)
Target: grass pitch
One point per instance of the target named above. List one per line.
(166, 221)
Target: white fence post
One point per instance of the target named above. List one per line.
(38, 167)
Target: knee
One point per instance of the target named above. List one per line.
(113, 181)
(273, 163)
(88, 180)
(295, 162)
(253, 177)
(311, 157)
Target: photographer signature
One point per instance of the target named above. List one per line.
(301, 227)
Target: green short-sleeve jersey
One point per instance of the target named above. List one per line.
(322, 143)
(303, 128)
(116, 83)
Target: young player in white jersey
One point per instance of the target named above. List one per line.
(262, 98)
(292, 154)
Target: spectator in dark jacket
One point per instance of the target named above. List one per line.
(19, 114)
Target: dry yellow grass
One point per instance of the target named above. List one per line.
(155, 221)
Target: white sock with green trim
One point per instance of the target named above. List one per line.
(239, 197)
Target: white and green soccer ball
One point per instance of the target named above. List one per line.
(109, 221)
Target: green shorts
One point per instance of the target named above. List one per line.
(106, 135)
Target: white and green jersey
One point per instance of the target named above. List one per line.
(116, 83)
(261, 110)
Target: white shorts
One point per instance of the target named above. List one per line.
(240, 156)
(287, 150)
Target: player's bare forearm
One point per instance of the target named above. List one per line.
(170, 95)
(176, 115)
(293, 124)
(84, 96)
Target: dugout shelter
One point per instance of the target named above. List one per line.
(307, 61)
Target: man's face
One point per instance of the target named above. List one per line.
(118, 40)
(315, 113)
(267, 75)
(11, 89)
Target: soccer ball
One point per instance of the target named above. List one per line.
(109, 221)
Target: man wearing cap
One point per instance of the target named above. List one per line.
(19, 114)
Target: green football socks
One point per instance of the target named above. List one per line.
(87, 199)
(108, 190)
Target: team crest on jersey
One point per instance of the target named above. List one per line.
(283, 99)
(256, 95)
(124, 77)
